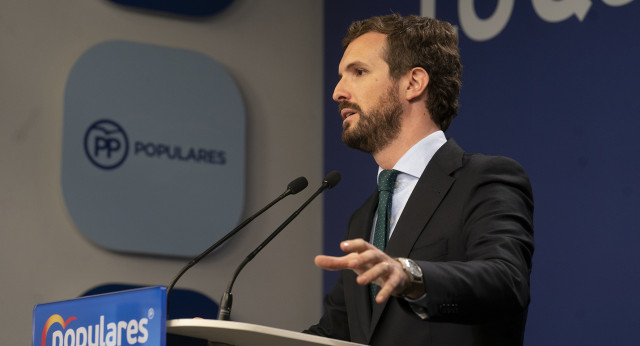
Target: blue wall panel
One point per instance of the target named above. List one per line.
(559, 96)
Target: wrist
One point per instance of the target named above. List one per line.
(415, 283)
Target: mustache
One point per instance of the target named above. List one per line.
(346, 104)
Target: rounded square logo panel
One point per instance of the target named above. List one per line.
(196, 8)
(153, 154)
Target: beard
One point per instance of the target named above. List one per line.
(376, 129)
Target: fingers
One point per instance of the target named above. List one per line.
(358, 262)
(394, 284)
(375, 274)
(332, 263)
(388, 275)
(356, 245)
(352, 260)
(372, 266)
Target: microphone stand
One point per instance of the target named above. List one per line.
(294, 187)
(224, 313)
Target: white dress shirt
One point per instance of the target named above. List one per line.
(411, 165)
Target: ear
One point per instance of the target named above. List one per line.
(417, 80)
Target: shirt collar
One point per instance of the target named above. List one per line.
(416, 159)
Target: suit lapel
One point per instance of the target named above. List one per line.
(433, 185)
(360, 227)
(431, 188)
(361, 222)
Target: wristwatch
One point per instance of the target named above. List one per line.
(413, 271)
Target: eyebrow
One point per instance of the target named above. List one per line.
(352, 66)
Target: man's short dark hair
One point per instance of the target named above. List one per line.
(415, 41)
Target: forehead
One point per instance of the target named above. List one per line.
(366, 49)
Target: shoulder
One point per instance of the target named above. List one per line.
(453, 160)
(498, 179)
(491, 164)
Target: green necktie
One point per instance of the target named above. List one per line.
(386, 183)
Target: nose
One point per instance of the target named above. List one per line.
(340, 92)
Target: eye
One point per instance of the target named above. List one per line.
(360, 71)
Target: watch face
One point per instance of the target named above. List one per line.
(412, 269)
(415, 271)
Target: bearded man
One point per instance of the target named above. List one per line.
(441, 253)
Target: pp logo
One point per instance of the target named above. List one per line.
(106, 144)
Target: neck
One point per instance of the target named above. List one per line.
(413, 130)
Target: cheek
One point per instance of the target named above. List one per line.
(369, 97)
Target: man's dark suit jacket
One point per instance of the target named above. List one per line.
(469, 226)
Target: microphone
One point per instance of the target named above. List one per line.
(224, 313)
(294, 187)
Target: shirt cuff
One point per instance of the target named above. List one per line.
(419, 306)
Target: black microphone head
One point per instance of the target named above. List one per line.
(297, 185)
(331, 179)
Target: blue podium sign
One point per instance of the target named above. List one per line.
(135, 317)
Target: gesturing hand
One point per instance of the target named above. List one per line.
(372, 266)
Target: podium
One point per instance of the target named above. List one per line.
(246, 334)
(134, 317)
(139, 317)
